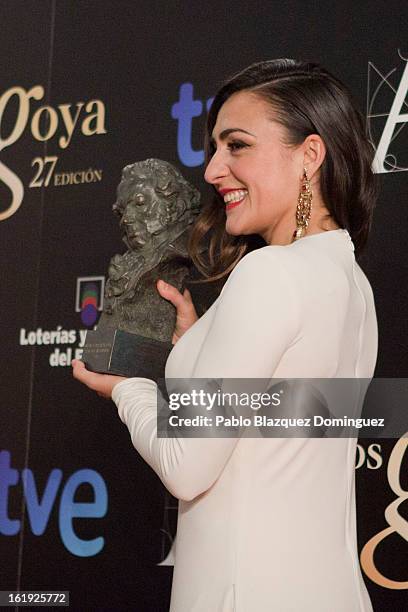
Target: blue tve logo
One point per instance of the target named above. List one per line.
(184, 111)
(39, 510)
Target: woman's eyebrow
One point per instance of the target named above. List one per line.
(225, 133)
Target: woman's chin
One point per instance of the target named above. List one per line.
(233, 229)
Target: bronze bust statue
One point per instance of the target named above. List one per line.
(156, 206)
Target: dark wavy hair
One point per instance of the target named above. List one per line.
(305, 99)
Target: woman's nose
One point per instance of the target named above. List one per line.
(216, 169)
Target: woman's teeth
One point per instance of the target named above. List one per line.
(235, 196)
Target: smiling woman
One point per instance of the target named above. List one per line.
(268, 125)
(260, 173)
(269, 523)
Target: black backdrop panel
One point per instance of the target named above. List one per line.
(25, 63)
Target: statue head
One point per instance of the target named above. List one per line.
(152, 198)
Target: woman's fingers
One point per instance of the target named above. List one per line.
(182, 301)
(186, 313)
(103, 384)
(187, 297)
(90, 379)
(170, 293)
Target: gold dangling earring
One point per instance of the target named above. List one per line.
(304, 207)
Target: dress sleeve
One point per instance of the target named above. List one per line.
(256, 321)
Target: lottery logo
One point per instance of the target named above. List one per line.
(89, 298)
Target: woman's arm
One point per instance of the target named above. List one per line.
(257, 319)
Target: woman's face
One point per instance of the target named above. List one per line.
(257, 174)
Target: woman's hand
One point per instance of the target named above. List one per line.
(186, 313)
(101, 383)
(186, 316)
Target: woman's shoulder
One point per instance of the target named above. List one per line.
(265, 270)
(329, 252)
(266, 259)
(294, 268)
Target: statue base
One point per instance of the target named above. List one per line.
(114, 351)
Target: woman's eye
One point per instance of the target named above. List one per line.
(236, 145)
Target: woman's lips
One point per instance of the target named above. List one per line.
(231, 205)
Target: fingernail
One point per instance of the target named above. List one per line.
(163, 285)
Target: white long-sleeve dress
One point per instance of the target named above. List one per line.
(267, 524)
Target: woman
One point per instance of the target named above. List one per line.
(269, 524)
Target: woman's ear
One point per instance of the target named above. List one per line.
(314, 151)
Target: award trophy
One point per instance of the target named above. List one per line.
(156, 206)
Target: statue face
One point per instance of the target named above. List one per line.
(152, 197)
(143, 214)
